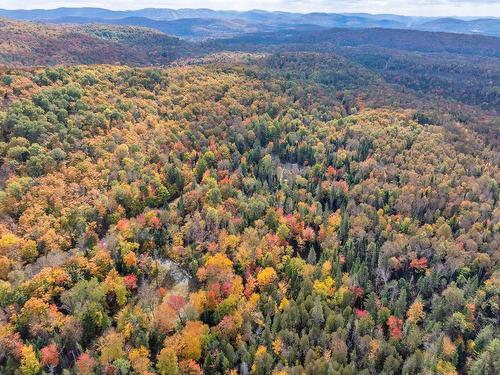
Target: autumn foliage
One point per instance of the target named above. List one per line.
(250, 218)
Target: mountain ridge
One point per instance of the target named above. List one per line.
(261, 19)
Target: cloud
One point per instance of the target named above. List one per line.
(409, 7)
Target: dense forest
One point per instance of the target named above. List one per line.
(37, 44)
(274, 212)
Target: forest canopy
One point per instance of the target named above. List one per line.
(249, 213)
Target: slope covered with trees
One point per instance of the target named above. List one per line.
(461, 68)
(37, 44)
(405, 40)
(242, 218)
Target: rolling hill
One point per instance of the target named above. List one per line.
(30, 43)
(460, 67)
(453, 25)
(331, 39)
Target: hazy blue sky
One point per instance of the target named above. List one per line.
(408, 7)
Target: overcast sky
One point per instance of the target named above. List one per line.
(406, 7)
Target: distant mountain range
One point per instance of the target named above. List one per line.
(207, 23)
